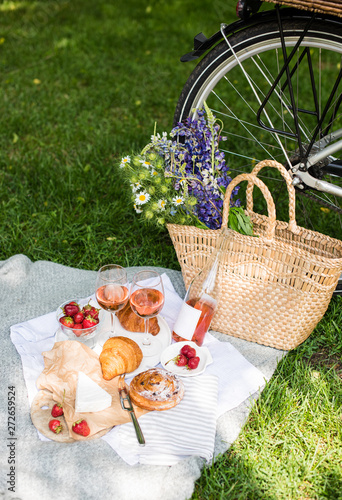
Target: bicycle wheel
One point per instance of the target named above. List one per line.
(234, 91)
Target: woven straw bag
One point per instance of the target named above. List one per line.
(274, 288)
(333, 7)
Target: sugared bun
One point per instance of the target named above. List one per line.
(156, 389)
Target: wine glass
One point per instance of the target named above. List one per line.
(147, 300)
(112, 290)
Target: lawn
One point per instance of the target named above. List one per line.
(82, 84)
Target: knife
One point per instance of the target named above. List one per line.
(126, 405)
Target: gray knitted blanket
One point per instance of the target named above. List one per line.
(36, 470)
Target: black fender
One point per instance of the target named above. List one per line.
(202, 44)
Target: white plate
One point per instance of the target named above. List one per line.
(182, 371)
(164, 337)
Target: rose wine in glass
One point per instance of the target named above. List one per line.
(112, 290)
(147, 300)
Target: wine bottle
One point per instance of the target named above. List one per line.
(201, 299)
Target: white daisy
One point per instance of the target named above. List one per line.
(125, 160)
(178, 200)
(135, 187)
(142, 198)
(138, 210)
(161, 204)
(154, 172)
(146, 164)
(155, 137)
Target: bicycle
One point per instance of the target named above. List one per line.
(274, 79)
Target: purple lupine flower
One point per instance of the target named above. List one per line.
(189, 157)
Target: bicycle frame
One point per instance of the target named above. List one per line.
(301, 175)
(331, 142)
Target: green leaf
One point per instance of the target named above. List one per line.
(200, 225)
(240, 222)
(232, 222)
(244, 223)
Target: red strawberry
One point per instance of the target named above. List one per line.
(57, 410)
(193, 363)
(191, 352)
(185, 350)
(71, 308)
(55, 426)
(67, 321)
(181, 360)
(77, 329)
(81, 427)
(88, 322)
(78, 317)
(94, 313)
(86, 309)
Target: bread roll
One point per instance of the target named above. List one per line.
(119, 355)
(156, 389)
(133, 323)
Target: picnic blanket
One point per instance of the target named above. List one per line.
(86, 470)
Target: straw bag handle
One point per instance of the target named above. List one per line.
(252, 179)
(290, 189)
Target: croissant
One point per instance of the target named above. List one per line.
(119, 355)
(133, 323)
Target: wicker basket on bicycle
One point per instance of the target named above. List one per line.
(274, 287)
(333, 7)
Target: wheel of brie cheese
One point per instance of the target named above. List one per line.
(156, 389)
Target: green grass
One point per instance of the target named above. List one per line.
(82, 84)
(291, 446)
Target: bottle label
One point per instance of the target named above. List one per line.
(187, 321)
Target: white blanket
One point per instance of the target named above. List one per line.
(29, 290)
(233, 379)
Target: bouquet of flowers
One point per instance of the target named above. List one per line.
(183, 179)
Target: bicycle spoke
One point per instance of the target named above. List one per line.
(246, 128)
(246, 125)
(282, 98)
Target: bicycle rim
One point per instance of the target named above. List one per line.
(229, 87)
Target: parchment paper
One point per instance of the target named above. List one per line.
(62, 365)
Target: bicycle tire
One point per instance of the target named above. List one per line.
(262, 42)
